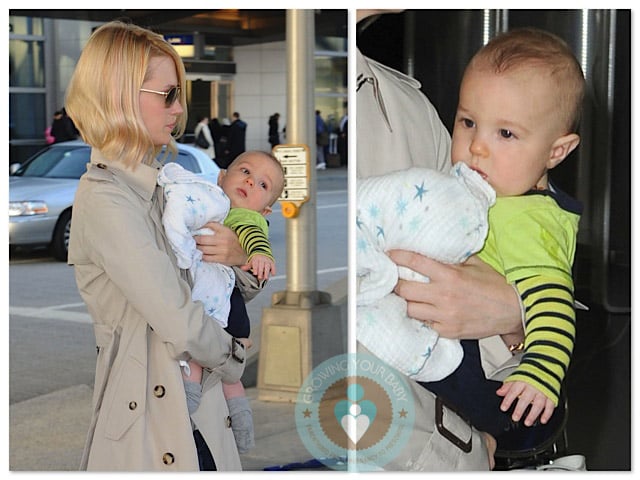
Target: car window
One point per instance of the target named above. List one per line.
(58, 163)
(185, 160)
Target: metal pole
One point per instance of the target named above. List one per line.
(409, 43)
(299, 330)
(301, 230)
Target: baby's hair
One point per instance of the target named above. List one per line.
(542, 51)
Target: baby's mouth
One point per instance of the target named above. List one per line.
(480, 172)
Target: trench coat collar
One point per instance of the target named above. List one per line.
(142, 179)
(367, 78)
(366, 69)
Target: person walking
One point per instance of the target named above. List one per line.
(274, 135)
(322, 140)
(62, 128)
(237, 136)
(343, 138)
(203, 138)
(218, 138)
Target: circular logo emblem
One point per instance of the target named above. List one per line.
(354, 412)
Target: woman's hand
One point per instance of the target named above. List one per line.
(221, 247)
(492, 445)
(465, 301)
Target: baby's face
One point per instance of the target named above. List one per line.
(251, 182)
(505, 128)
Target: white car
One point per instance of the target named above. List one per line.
(41, 192)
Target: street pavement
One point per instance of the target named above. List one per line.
(47, 433)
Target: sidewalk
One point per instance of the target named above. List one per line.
(47, 433)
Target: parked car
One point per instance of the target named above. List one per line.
(41, 192)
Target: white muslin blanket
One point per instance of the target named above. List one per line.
(442, 215)
(191, 202)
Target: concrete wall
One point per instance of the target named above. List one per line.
(70, 37)
(260, 89)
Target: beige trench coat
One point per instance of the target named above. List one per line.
(145, 322)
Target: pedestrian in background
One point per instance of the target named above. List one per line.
(62, 128)
(48, 137)
(202, 134)
(237, 136)
(343, 138)
(216, 132)
(274, 134)
(322, 141)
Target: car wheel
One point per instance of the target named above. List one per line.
(60, 240)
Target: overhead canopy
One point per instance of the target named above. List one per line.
(227, 27)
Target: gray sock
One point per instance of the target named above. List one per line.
(193, 391)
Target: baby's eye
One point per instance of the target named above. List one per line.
(244, 170)
(263, 185)
(468, 123)
(504, 133)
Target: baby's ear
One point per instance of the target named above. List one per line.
(221, 175)
(266, 211)
(561, 148)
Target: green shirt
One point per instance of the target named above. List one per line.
(532, 242)
(252, 230)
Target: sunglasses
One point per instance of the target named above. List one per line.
(169, 97)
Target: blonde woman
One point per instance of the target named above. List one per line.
(127, 99)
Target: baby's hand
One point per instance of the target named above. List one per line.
(261, 266)
(526, 395)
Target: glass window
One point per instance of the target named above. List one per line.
(58, 162)
(27, 116)
(185, 160)
(25, 26)
(331, 81)
(217, 52)
(331, 74)
(331, 44)
(224, 93)
(72, 165)
(212, 50)
(26, 63)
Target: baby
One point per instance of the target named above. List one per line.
(518, 111)
(241, 199)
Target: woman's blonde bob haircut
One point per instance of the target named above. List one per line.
(103, 95)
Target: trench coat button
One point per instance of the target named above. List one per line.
(133, 405)
(168, 458)
(159, 391)
(228, 421)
